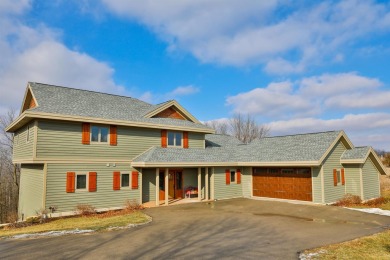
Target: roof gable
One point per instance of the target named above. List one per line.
(359, 155)
(170, 109)
(29, 100)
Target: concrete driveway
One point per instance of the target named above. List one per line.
(234, 228)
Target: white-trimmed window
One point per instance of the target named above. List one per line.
(233, 176)
(81, 182)
(125, 180)
(175, 139)
(99, 134)
(338, 176)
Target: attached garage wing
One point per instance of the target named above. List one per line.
(283, 183)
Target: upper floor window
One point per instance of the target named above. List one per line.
(99, 134)
(175, 139)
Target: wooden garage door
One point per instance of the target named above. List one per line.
(283, 183)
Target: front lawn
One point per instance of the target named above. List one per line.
(94, 222)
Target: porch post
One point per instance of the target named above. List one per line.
(157, 186)
(206, 187)
(166, 186)
(212, 194)
(199, 184)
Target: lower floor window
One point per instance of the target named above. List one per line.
(232, 176)
(125, 180)
(81, 182)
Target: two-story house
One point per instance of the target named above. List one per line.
(83, 147)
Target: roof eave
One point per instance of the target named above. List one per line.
(223, 164)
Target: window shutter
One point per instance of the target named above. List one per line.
(85, 133)
(92, 181)
(227, 172)
(342, 177)
(70, 178)
(116, 181)
(334, 177)
(113, 135)
(185, 140)
(164, 138)
(134, 180)
(238, 176)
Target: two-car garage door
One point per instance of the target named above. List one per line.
(283, 183)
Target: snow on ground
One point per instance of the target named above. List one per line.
(373, 211)
(52, 234)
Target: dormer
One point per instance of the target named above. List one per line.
(29, 100)
(171, 109)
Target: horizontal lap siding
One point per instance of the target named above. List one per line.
(332, 161)
(148, 185)
(370, 180)
(62, 140)
(196, 140)
(246, 180)
(352, 179)
(104, 197)
(22, 148)
(223, 191)
(31, 190)
(316, 184)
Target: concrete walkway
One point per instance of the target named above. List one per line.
(238, 228)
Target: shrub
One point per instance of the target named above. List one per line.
(85, 209)
(132, 205)
(376, 202)
(348, 200)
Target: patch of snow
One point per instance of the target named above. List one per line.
(308, 256)
(373, 211)
(52, 233)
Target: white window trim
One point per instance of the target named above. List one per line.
(125, 187)
(235, 176)
(86, 184)
(174, 140)
(99, 135)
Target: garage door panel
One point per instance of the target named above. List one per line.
(283, 184)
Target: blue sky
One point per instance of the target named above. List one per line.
(296, 66)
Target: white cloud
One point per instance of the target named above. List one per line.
(14, 6)
(258, 32)
(37, 54)
(363, 129)
(184, 91)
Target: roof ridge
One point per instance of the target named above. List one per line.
(311, 133)
(86, 90)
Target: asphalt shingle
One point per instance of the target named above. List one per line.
(355, 153)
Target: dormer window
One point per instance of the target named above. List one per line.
(99, 134)
(175, 139)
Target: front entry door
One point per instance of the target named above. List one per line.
(175, 184)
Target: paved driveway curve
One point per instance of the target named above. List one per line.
(234, 228)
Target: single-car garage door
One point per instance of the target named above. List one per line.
(283, 183)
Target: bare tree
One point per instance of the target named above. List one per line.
(9, 172)
(244, 128)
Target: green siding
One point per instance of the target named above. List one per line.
(223, 191)
(352, 179)
(104, 197)
(370, 180)
(246, 180)
(196, 140)
(31, 190)
(316, 184)
(63, 140)
(332, 161)
(22, 148)
(148, 185)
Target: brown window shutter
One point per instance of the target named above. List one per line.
(185, 140)
(70, 179)
(92, 181)
(342, 177)
(238, 176)
(164, 138)
(113, 135)
(134, 180)
(116, 181)
(334, 177)
(227, 172)
(85, 133)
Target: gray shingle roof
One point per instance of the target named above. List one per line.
(77, 102)
(219, 140)
(305, 147)
(355, 153)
